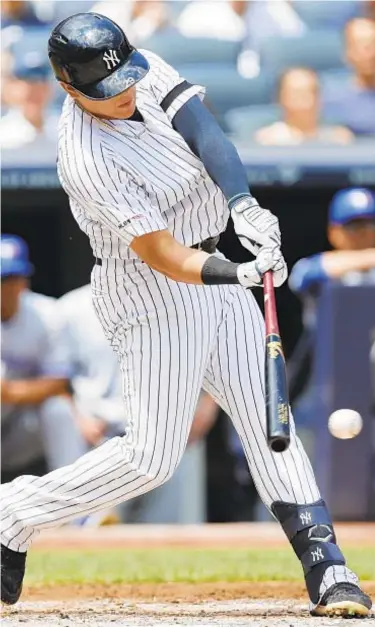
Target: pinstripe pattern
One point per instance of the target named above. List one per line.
(173, 339)
(125, 179)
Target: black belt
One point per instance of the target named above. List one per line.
(208, 246)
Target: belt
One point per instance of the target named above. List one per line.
(208, 246)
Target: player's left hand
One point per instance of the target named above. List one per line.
(250, 274)
(279, 267)
(256, 227)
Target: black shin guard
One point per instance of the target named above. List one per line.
(310, 531)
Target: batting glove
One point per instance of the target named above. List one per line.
(250, 274)
(254, 226)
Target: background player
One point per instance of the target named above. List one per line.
(351, 233)
(152, 180)
(37, 422)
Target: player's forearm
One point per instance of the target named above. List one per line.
(182, 264)
(206, 139)
(32, 391)
(338, 263)
(165, 255)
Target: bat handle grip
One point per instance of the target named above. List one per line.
(270, 312)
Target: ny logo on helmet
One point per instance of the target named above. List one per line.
(111, 59)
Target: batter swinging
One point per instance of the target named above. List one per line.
(152, 180)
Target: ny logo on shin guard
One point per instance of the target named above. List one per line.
(317, 554)
(305, 518)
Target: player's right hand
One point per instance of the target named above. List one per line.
(255, 227)
(250, 274)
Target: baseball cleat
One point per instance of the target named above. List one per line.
(343, 599)
(12, 574)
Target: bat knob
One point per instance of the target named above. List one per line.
(279, 445)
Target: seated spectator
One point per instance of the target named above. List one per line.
(36, 416)
(18, 13)
(353, 103)
(300, 103)
(196, 19)
(351, 232)
(26, 91)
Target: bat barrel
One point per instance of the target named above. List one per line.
(277, 397)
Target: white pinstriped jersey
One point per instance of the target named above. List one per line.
(128, 178)
(125, 179)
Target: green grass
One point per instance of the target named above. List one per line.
(177, 565)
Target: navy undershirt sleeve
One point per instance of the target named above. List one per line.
(205, 138)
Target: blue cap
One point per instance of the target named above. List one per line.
(14, 257)
(31, 65)
(352, 204)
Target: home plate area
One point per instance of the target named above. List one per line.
(133, 614)
(58, 599)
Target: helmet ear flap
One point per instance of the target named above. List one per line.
(61, 71)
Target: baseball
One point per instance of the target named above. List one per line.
(345, 424)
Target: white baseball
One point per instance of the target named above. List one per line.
(345, 424)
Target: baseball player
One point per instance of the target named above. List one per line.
(37, 421)
(351, 233)
(152, 180)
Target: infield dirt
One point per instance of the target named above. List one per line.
(283, 604)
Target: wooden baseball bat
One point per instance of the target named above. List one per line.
(277, 397)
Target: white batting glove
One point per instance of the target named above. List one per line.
(250, 274)
(254, 226)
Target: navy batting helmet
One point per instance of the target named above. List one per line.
(92, 53)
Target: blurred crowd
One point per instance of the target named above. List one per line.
(277, 72)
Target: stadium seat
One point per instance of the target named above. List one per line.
(245, 121)
(176, 49)
(334, 78)
(327, 14)
(319, 50)
(226, 89)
